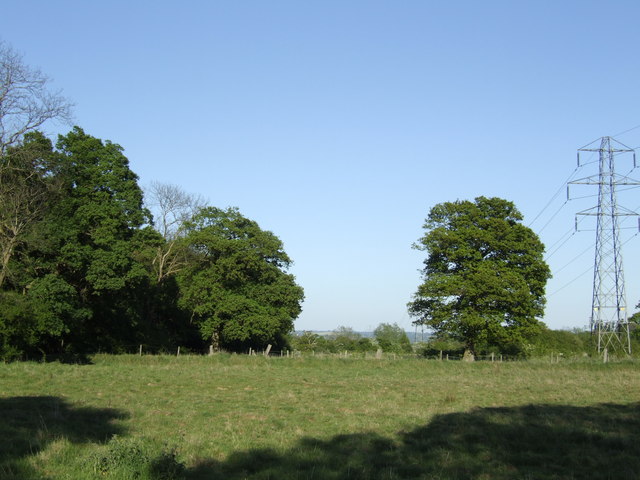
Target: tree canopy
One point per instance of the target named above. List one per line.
(82, 268)
(484, 277)
(236, 284)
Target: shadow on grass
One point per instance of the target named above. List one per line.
(29, 424)
(529, 442)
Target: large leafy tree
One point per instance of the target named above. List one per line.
(95, 227)
(484, 277)
(236, 284)
(36, 304)
(74, 278)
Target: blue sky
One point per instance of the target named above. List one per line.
(338, 124)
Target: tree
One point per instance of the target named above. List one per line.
(392, 338)
(26, 103)
(484, 278)
(90, 240)
(70, 224)
(172, 208)
(235, 284)
(27, 186)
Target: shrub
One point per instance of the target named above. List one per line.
(130, 458)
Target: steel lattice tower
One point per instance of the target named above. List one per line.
(609, 320)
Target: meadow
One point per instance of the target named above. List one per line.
(236, 417)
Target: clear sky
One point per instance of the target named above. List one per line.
(338, 124)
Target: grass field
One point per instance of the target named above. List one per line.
(235, 417)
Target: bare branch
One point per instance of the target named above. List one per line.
(172, 207)
(26, 103)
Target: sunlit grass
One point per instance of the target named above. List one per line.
(214, 411)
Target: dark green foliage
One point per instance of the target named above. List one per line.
(87, 240)
(392, 338)
(76, 272)
(235, 284)
(562, 342)
(80, 270)
(484, 277)
(441, 345)
(28, 185)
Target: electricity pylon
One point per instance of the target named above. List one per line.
(609, 321)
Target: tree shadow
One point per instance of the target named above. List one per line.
(527, 442)
(29, 424)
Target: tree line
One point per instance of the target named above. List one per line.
(84, 267)
(389, 338)
(89, 262)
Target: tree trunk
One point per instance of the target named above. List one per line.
(468, 355)
(7, 252)
(215, 341)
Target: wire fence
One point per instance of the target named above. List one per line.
(442, 356)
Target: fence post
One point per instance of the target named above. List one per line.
(178, 354)
(140, 350)
(266, 352)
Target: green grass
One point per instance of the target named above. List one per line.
(234, 417)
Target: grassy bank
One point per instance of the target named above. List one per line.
(251, 417)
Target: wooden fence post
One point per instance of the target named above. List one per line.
(140, 350)
(266, 352)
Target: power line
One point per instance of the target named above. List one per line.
(555, 195)
(571, 282)
(590, 269)
(552, 217)
(575, 258)
(626, 131)
(571, 233)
